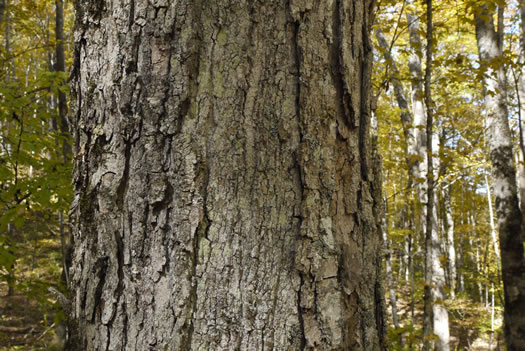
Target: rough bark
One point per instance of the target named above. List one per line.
(224, 193)
(504, 175)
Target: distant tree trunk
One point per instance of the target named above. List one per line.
(407, 120)
(9, 76)
(63, 127)
(2, 9)
(451, 250)
(504, 174)
(60, 66)
(388, 261)
(461, 244)
(418, 111)
(521, 109)
(224, 192)
(434, 272)
(491, 220)
(11, 278)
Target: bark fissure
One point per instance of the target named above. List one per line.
(294, 23)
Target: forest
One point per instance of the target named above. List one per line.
(173, 153)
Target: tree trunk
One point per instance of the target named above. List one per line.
(434, 273)
(451, 250)
(418, 111)
(521, 109)
(388, 264)
(505, 191)
(492, 226)
(410, 132)
(2, 8)
(60, 66)
(224, 192)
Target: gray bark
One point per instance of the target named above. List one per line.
(224, 193)
(504, 175)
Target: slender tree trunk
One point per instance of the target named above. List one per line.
(521, 109)
(504, 174)
(418, 111)
(493, 235)
(388, 261)
(434, 272)
(2, 9)
(11, 278)
(451, 250)
(461, 243)
(224, 192)
(407, 120)
(60, 66)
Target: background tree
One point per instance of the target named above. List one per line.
(503, 171)
(34, 178)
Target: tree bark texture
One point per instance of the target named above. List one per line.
(224, 191)
(504, 175)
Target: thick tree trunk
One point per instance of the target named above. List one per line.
(224, 189)
(505, 190)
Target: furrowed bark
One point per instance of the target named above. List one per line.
(225, 195)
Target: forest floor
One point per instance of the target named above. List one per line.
(27, 319)
(469, 324)
(23, 324)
